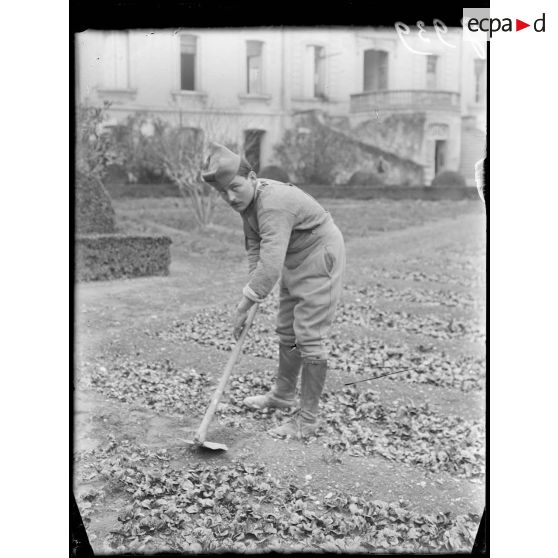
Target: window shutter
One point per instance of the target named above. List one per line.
(253, 48)
(188, 62)
(254, 66)
(188, 44)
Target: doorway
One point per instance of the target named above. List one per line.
(375, 70)
(440, 153)
(253, 147)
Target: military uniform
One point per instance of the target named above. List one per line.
(290, 237)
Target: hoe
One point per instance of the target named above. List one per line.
(199, 438)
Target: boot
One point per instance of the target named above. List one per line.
(304, 422)
(313, 381)
(283, 393)
(290, 428)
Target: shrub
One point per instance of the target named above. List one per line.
(274, 172)
(365, 178)
(139, 161)
(116, 174)
(449, 178)
(95, 146)
(158, 150)
(314, 153)
(93, 207)
(150, 190)
(112, 256)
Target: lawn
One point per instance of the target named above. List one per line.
(398, 463)
(356, 218)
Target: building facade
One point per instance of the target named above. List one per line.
(422, 101)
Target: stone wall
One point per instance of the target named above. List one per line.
(399, 133)
(391, 169)
(353, 154)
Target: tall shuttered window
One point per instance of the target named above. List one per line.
(319, 71)
(431, 71)
(314, 72)
(116, 71)
(254, 63)
(188, 52)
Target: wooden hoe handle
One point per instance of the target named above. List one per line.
(202, 431)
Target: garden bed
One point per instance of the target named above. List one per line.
(398, 462)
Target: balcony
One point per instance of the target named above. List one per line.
(405, 99)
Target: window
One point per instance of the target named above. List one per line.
(253, 147)
(319, 74)
(375, 70)
(314, 72)
(479, 79)
(188, 46)
(116, 60)
(254, 67)
(431, 67)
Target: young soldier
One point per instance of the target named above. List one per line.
(288, 235)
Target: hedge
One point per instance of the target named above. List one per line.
(163, 190)
(364, 178)
(93, 208)
(425, 193)
(273, 172)
(449, 179)
(361, 192)
(112, 256)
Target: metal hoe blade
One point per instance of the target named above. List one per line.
(214, 446)
(205, 444)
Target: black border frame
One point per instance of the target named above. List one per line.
(127, 14)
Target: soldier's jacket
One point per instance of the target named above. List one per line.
(278, 227)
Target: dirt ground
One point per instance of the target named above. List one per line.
(128, 320)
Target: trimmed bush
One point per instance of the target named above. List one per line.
(274, 172)
(115, 173)
(93, 209)
(364, 178)
(425, 193)
(113, 256)
(163, 190)
(449, 178)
